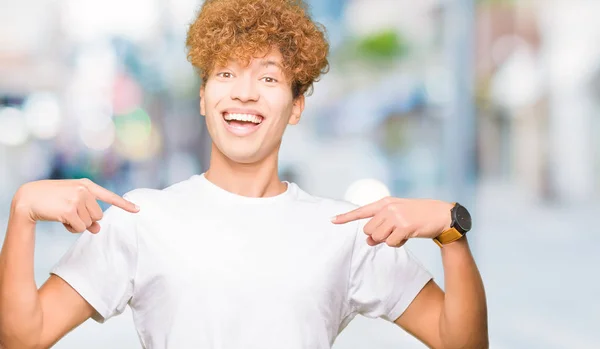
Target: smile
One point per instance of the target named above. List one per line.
(242, 124)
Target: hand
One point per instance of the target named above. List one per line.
(71, 202)
(395, 220)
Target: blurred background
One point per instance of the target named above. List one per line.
(492, 103)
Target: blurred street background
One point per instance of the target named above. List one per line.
(492, 103)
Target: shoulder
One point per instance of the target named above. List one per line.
(154, 203)
(324, 205)
(149, 196)
(305, 198)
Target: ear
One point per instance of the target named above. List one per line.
(202, 104)
(297, 110)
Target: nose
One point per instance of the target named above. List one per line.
(244, 89)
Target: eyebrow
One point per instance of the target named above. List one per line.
(268, 63)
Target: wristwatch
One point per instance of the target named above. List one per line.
(460, 225)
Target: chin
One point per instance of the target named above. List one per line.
(244, 159)
(243, 156)
(243, 151)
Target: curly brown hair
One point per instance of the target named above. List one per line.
(242, 29)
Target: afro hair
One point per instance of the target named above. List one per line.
(243, 29)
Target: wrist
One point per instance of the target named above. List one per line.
(457, 223)
(459, 244)
(19, 209)
(447, 209)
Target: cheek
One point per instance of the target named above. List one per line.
(281, 105)
(214, 93)
(211, 107)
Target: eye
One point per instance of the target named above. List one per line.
(224, 74)
(269, 79)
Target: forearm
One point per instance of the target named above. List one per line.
(463, 322)
(20, 310)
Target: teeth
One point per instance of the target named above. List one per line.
(244, 117)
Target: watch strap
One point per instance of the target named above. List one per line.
(447, 237)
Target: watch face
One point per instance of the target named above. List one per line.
(462, 218)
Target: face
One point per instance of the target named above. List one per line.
(247, 108)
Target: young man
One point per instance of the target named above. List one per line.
(234, 257)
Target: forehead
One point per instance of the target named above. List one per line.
(271, 58)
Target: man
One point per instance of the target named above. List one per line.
(234, 257)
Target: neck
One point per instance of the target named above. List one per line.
(260, 179)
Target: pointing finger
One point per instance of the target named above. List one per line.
(362, 212)
(366, 211)
(111, 198)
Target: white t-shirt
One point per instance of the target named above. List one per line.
(201, 267)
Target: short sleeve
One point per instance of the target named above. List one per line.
(383, 280)
(101, 267)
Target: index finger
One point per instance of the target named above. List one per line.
(109, 197)
(359, 213)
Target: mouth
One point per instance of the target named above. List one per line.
(242, 123)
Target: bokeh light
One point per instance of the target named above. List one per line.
(98, 138)
(137, 139)
(366, 191)
(43, 115)
(13, 128)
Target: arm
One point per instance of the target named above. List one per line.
(458, 318)
(30, 318)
